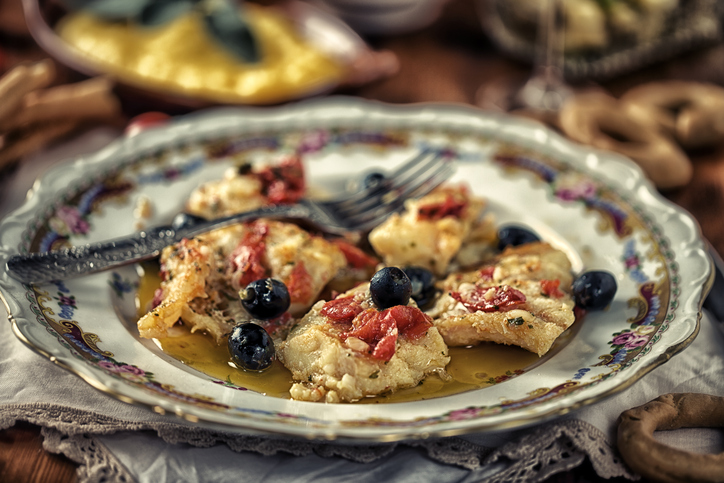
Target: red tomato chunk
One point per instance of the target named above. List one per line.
(342, 310)
(503, 297)
(438, 211)
(355, 257)
(300, 284)
(244, 263)
(550, 288)
(487, 272)
(379, 329)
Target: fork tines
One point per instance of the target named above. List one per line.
(415, 178)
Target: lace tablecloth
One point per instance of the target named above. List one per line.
(114, 441)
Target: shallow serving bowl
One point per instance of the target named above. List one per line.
(321, 29)
(596, 206)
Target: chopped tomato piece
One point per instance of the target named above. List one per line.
(386, 347)
(299, 284)
(355, 257)
(487, 272)
(411, 321)
(371, 325)
(244, 265)
(490, 299)
(550, 288)
(341, 310)
(437, 211)
(284, 183)
(380, 329)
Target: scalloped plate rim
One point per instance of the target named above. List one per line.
(146, 141)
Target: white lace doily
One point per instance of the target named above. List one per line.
(549, 449)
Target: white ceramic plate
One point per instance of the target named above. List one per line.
(594, 205)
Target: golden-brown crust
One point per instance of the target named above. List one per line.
(533, 325)
(658, 462)
(408, 238)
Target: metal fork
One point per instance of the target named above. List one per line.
(359, 211)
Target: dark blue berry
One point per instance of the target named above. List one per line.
(423, 285)
(513, 235)
(389, 287)
(265, 298)
(244, 169)
(594, 290)
(250, 347)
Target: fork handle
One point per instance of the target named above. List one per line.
(86, 259)
(97, 257)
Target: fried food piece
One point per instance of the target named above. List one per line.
(188, 292)
(522, 298)
(202, 277)
(531, 261)
(431, 230)
(345, 349)
(249, 187)
(305, 263)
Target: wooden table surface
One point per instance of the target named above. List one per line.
(446, 62)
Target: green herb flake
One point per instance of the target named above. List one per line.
(516, 321)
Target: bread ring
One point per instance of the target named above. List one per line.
(600, 120)
(692, 112)
(21, 80)
(659, 462)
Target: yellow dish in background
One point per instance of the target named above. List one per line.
(181, 58)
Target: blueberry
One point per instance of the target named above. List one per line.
(244, 169)
(251, 347)
(265, 298)
(389, 287)
(594, 290)
(514, 235)
(423, 285)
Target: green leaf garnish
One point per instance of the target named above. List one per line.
(225, 22)
(159, 12)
